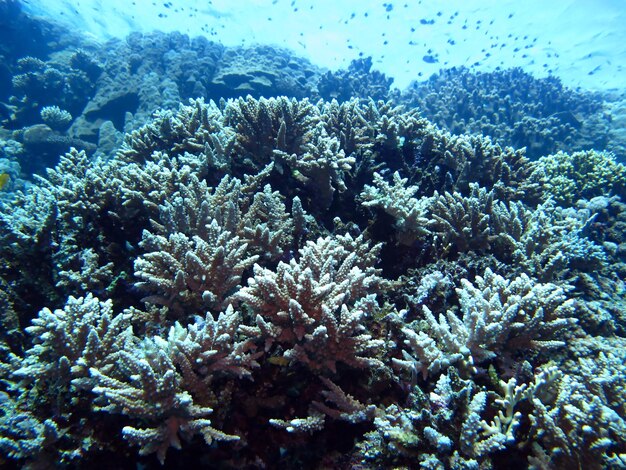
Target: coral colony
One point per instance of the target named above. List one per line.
(317, 279)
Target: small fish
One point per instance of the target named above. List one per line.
(279, 361)
(4, 180)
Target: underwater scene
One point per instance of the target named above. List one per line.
(299, 234)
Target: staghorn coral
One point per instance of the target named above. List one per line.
(257, 217)
(85, 348)
(69, 341)
(434, 159)
(497, 434)
(267, 227)
(26, 222)
(192, 271)
(274, 135)
(248, 135)
(498, 316)
(167, 382)
(55, 117)
(603, 376)
(346, 122)
(139, 189)
(444, 428)
(149, 390)
(313, 307)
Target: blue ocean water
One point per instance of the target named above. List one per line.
(312, 234)
(581, 43)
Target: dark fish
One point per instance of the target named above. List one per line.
(569, 118)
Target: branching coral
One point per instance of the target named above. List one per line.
(337, 405)
(509, 105)
(204, 197)
(205, 239)
(447, 162)
(314, 307)
(55, 117)
(345, 122)
(149, 390)
(195, 129)
(209, 348)
(69, 341)
(22, 434)
(581, 175)
(574, 427)
(441, 428)
(549, 241)
(59, 82)
(166, 383)
(265, 125)
(320, 168)
(192, 271)
(397, 200)
(80, 193)
(461, 423)
(266, 226)
(498, 316)
(461, 223)
(357, 81)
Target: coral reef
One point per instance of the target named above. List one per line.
(285, 267)
(357, 81)
(277, 282)
(115, 87)
(67, 81)
(261, 71)
(513, 108)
